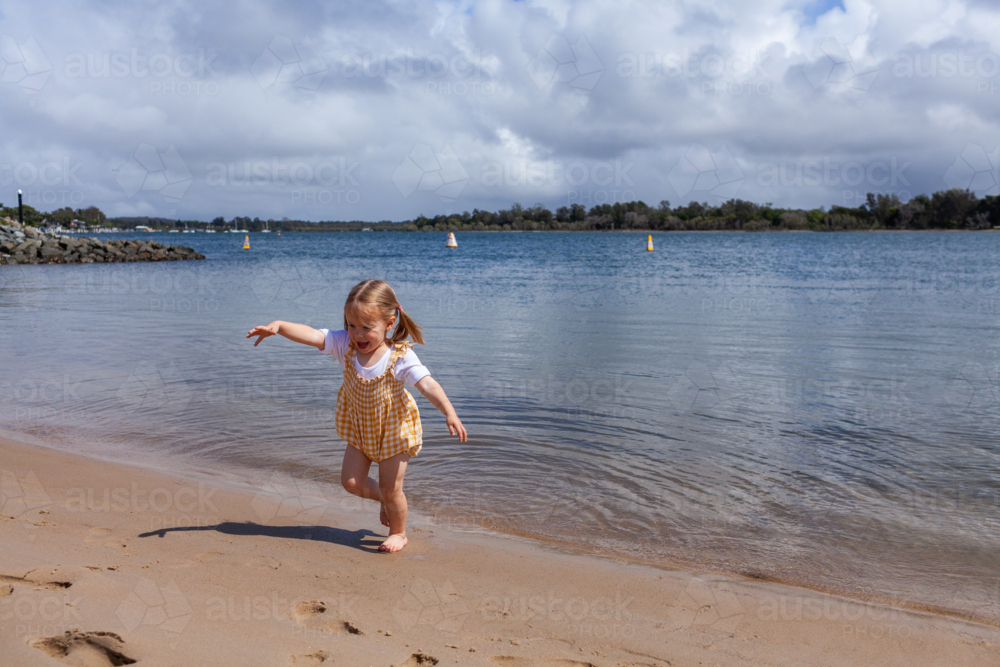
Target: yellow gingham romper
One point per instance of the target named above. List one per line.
(378, 416)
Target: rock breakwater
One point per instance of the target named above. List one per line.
(29, 245)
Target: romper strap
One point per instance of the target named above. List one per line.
(398, 352)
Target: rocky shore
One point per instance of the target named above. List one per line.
(29, 245)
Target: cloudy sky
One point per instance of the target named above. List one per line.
(374, 110)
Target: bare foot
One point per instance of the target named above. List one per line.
(383, 517)
(393, 543)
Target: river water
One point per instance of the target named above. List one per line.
(818, 409)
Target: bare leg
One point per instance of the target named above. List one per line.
(390, 483)
(354, 475)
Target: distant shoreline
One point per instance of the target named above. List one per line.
(946, 210)
(572, 231)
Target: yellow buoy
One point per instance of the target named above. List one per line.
(452, 243)
(649, 243)
(246, 242)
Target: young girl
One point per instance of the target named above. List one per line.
(375, 414)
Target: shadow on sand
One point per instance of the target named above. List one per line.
(356, 539)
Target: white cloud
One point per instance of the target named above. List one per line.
(460, 75)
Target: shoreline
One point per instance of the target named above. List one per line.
(585, 231)
(581, 231)
(272, 574)
(243, 479)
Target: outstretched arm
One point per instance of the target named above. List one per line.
(300, 333)
(433, 392)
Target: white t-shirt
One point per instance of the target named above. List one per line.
(408, 368)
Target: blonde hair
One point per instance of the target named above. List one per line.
(378, 294)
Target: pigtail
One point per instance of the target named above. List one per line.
(406, 327)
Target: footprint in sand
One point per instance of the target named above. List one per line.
(511, 661)
(212, 556)
(100, 535)
(263, 562)
(100, 649)
(419, 660)
(313, 616)
(317, 658)
(50, 585)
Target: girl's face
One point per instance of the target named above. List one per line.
(367, 327)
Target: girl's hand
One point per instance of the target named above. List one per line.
(455, 427)
(299, 333)
(263, 332)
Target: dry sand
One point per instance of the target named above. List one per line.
(104, 564)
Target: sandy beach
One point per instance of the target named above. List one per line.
(103, 563)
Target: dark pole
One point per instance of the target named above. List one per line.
(20, 209)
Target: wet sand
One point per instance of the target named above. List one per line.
(104, 563)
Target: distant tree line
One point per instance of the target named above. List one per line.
(64, 216)
(947, 209)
